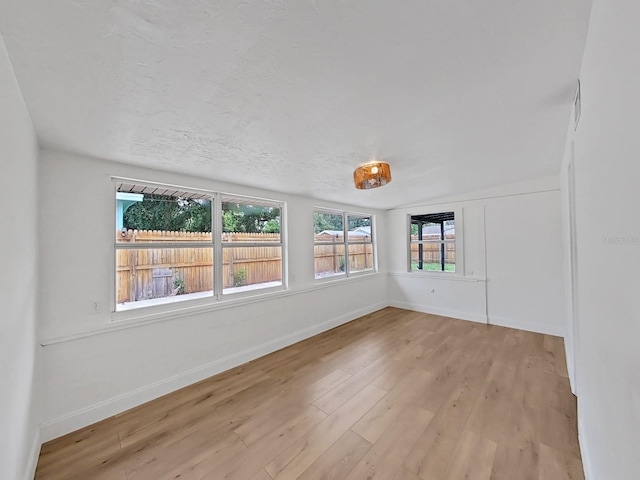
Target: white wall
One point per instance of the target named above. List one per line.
(606, 147)
(19, 412)
(524, 262)
(512, 263)
(93, 369)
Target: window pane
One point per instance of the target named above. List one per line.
(251, 268)
(246, 222)
(360, 257)
(329, 260)
(152, 276)
(143, 214)
(431, 257)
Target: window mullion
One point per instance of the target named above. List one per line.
(345, 235)
(216, 231)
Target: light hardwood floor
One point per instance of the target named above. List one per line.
(395, 395)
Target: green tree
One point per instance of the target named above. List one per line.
(355, 222)
(326, 221)
(272, 226)
(237, 217)
(159, 212)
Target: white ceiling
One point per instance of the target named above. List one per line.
(291, 95)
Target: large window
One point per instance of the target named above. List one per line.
(343, 244)
(174, 244)
(432, 245)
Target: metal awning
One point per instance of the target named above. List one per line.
(432, 217)
(160, 190)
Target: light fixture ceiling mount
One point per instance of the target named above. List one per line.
(372, 175)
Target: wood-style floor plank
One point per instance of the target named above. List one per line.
(472, 458)
(293, 462)
(339, 459)
(558, 465)
(405, 474)
(386, 456)
(278, 440)
(394, 395)
(374, 423)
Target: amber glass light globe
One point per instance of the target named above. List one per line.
(372, 175)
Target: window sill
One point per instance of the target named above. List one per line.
(340, 277)
(439, 276)
(129, 309)
(232, 297)
(136, 318)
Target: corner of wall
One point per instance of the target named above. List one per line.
(584, 449)
(32, 459)
(18, 293)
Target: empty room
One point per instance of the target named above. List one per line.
(309, 239)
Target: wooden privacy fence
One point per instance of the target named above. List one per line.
(146, 273)
(431, 251)
(159, 272)
(331, 258)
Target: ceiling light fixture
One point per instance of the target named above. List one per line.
(372, 175)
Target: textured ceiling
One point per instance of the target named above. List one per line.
(291, 95)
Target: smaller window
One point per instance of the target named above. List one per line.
(343, 244)
(432, 245)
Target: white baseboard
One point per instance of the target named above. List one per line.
(556, 330)
(32, 459)
(120, 403)
(444, 312)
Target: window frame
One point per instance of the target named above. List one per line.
(458, 241)
(217, 296)
(222, 197)
(346, 243)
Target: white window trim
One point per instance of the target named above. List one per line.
(459, 241)
(217, 296)
(220, 295)
(345, 227)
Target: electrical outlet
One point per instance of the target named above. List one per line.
(95, 306)
(433, 290)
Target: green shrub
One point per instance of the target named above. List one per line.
(239, 277)
(178, 284)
